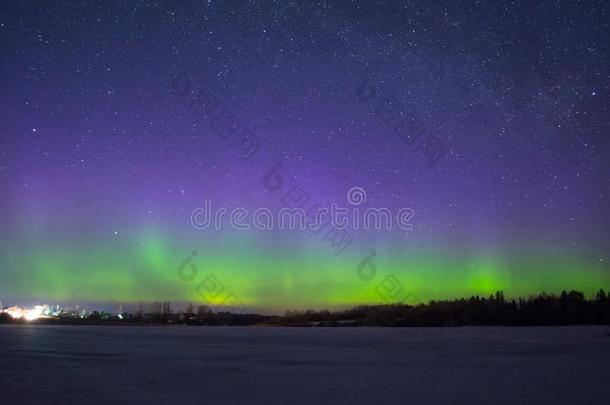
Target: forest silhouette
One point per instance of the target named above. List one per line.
(567, 308)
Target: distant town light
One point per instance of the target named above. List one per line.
(29, 314)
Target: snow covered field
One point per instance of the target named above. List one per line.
(231, 365)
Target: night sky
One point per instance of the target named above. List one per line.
(117, 120)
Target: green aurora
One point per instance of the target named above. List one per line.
(143, 267)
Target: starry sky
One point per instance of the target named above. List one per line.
(118, 118)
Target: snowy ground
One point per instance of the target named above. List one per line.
(232, 365)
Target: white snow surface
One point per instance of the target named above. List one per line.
(254, 365)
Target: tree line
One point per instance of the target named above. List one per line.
(568, 308)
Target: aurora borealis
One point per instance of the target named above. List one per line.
(104, 155)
